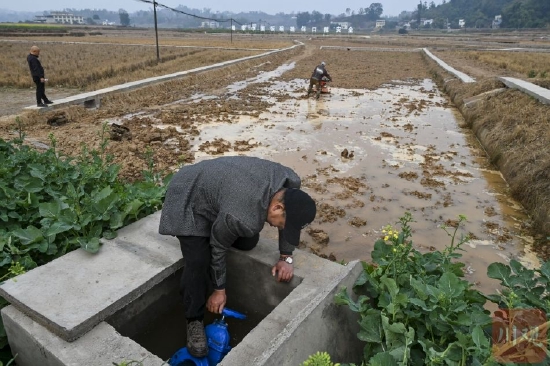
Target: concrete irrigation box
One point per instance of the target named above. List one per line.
(84, 309)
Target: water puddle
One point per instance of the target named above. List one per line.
(370, 156)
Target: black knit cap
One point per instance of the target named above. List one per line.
(300, 211)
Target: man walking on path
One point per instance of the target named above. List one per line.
(37, 73)
(318, 73)
(221, 203)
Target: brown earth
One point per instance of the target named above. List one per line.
(162, 105)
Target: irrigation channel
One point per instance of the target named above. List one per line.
(367, 157)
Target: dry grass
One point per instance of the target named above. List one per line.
(527, 64)
(95, 66)
(114, 56)
(361, 69)
(147, 38)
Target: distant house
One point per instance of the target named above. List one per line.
(461, 23)
(57, 17)
(380, 23)
(426, 22)
(343, 25)
(211, 24)
(496, 22)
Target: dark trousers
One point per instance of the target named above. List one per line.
(317, 84)
(196, 283)
(40, 90)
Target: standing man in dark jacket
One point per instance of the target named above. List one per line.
(221, 203)
(318, 73)
(37, 73)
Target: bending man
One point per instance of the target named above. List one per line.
(221, 203)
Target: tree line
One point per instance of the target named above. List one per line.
(481, 13)
(315, 18)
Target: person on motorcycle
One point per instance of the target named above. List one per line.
(318, 73)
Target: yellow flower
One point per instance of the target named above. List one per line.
(386, 238)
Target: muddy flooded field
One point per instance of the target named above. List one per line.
(367, 157)
(383, 142)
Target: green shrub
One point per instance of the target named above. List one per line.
(319, 359)
(416, 309)
(53, 204)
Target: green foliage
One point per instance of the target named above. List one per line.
(480, 13)
(124, 18)
(319, 359)
(522, 288)
(128, 363)
(416, 309)
(53, 204)
(531, 74)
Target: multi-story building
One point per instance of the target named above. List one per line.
(58, 17)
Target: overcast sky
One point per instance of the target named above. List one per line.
(335, 7)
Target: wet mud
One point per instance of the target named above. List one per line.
(367, 156)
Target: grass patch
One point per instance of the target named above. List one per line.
(92, 67)
(529, 64)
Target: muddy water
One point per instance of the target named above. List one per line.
(369, 156)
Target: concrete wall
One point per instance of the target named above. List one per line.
(61, 311)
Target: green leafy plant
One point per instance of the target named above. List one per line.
(129, 363)
(531, 74)
(53, 203)
(416, 309)
(319, 359)
(521, 287)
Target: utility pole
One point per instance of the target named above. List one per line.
(156, 30)
(231, 30)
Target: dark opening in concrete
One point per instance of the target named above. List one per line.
(156, 320)
(90, 104)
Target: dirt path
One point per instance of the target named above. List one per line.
(15, 100)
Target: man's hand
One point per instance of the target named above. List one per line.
(216, 302)
(283, 270)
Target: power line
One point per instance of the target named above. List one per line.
(191, 15)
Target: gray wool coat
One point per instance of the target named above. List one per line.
(223, 199)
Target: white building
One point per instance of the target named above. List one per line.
(380, 23)
(461, 23)
(211, 24)
(343, 25)
(497, 21)
(57, 17)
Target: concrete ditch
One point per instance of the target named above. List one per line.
(84, 309)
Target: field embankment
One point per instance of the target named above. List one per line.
(514, 130)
